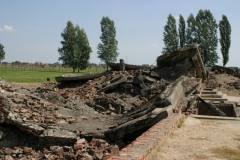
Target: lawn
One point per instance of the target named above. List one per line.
(38, 75)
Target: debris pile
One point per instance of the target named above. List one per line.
(81, 149)
(103, 108)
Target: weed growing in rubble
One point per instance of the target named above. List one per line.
(180, 124)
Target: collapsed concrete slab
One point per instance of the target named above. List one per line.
(187, 58)
(124, 66)
(74, 78)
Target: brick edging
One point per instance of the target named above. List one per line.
(148, 141)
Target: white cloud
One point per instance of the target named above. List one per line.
(7, 28)
(154, 45)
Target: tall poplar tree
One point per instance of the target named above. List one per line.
(225, 38)
(181, 31)
(191, 30)
(170, 35)
(206, 36)
(2, 52)
(107, 50)
(69, 46)
(83, 49)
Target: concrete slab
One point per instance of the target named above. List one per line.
(224, 98)
(147, 142)
(209, 91)
(215, 95)
(234, 99)
(214, 117)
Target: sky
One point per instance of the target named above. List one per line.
(31, 30)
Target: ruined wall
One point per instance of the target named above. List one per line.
(186, 58)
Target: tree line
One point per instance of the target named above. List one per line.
(75, 50)
(201, 30)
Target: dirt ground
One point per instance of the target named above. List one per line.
(202, 139)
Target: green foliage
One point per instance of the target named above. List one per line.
(170, 35)
(83, 50)
(180, 124)
(75, 51)
(181, 31)
(16, 63)
(225, 38)
(2, 52)
(206, 36)
(107, 50)
(191, 30)
(68, 46)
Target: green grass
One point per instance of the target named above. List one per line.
(27, 75)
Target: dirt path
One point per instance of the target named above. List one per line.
(202, 139)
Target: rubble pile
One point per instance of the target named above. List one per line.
(81, 149)
(103, 108)
(231, 84)
(118, 92)
(220, 69)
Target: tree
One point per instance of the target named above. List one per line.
(206, 36)
(170, 35)
(107, 50)
(75, 51)
(83, 49)
(181, 31)
(225, 38)
(191, 30)
(2, 52)
(69, 46)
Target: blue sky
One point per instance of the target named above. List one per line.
(31, 30)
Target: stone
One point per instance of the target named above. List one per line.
(8, 157)
(57, 150)
(27, 150)
(114, 150)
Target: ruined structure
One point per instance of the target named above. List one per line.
(110, 106)
(122, 66)
(187, 58)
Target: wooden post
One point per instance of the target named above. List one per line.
(122, 65)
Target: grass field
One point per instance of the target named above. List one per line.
(38, 75)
